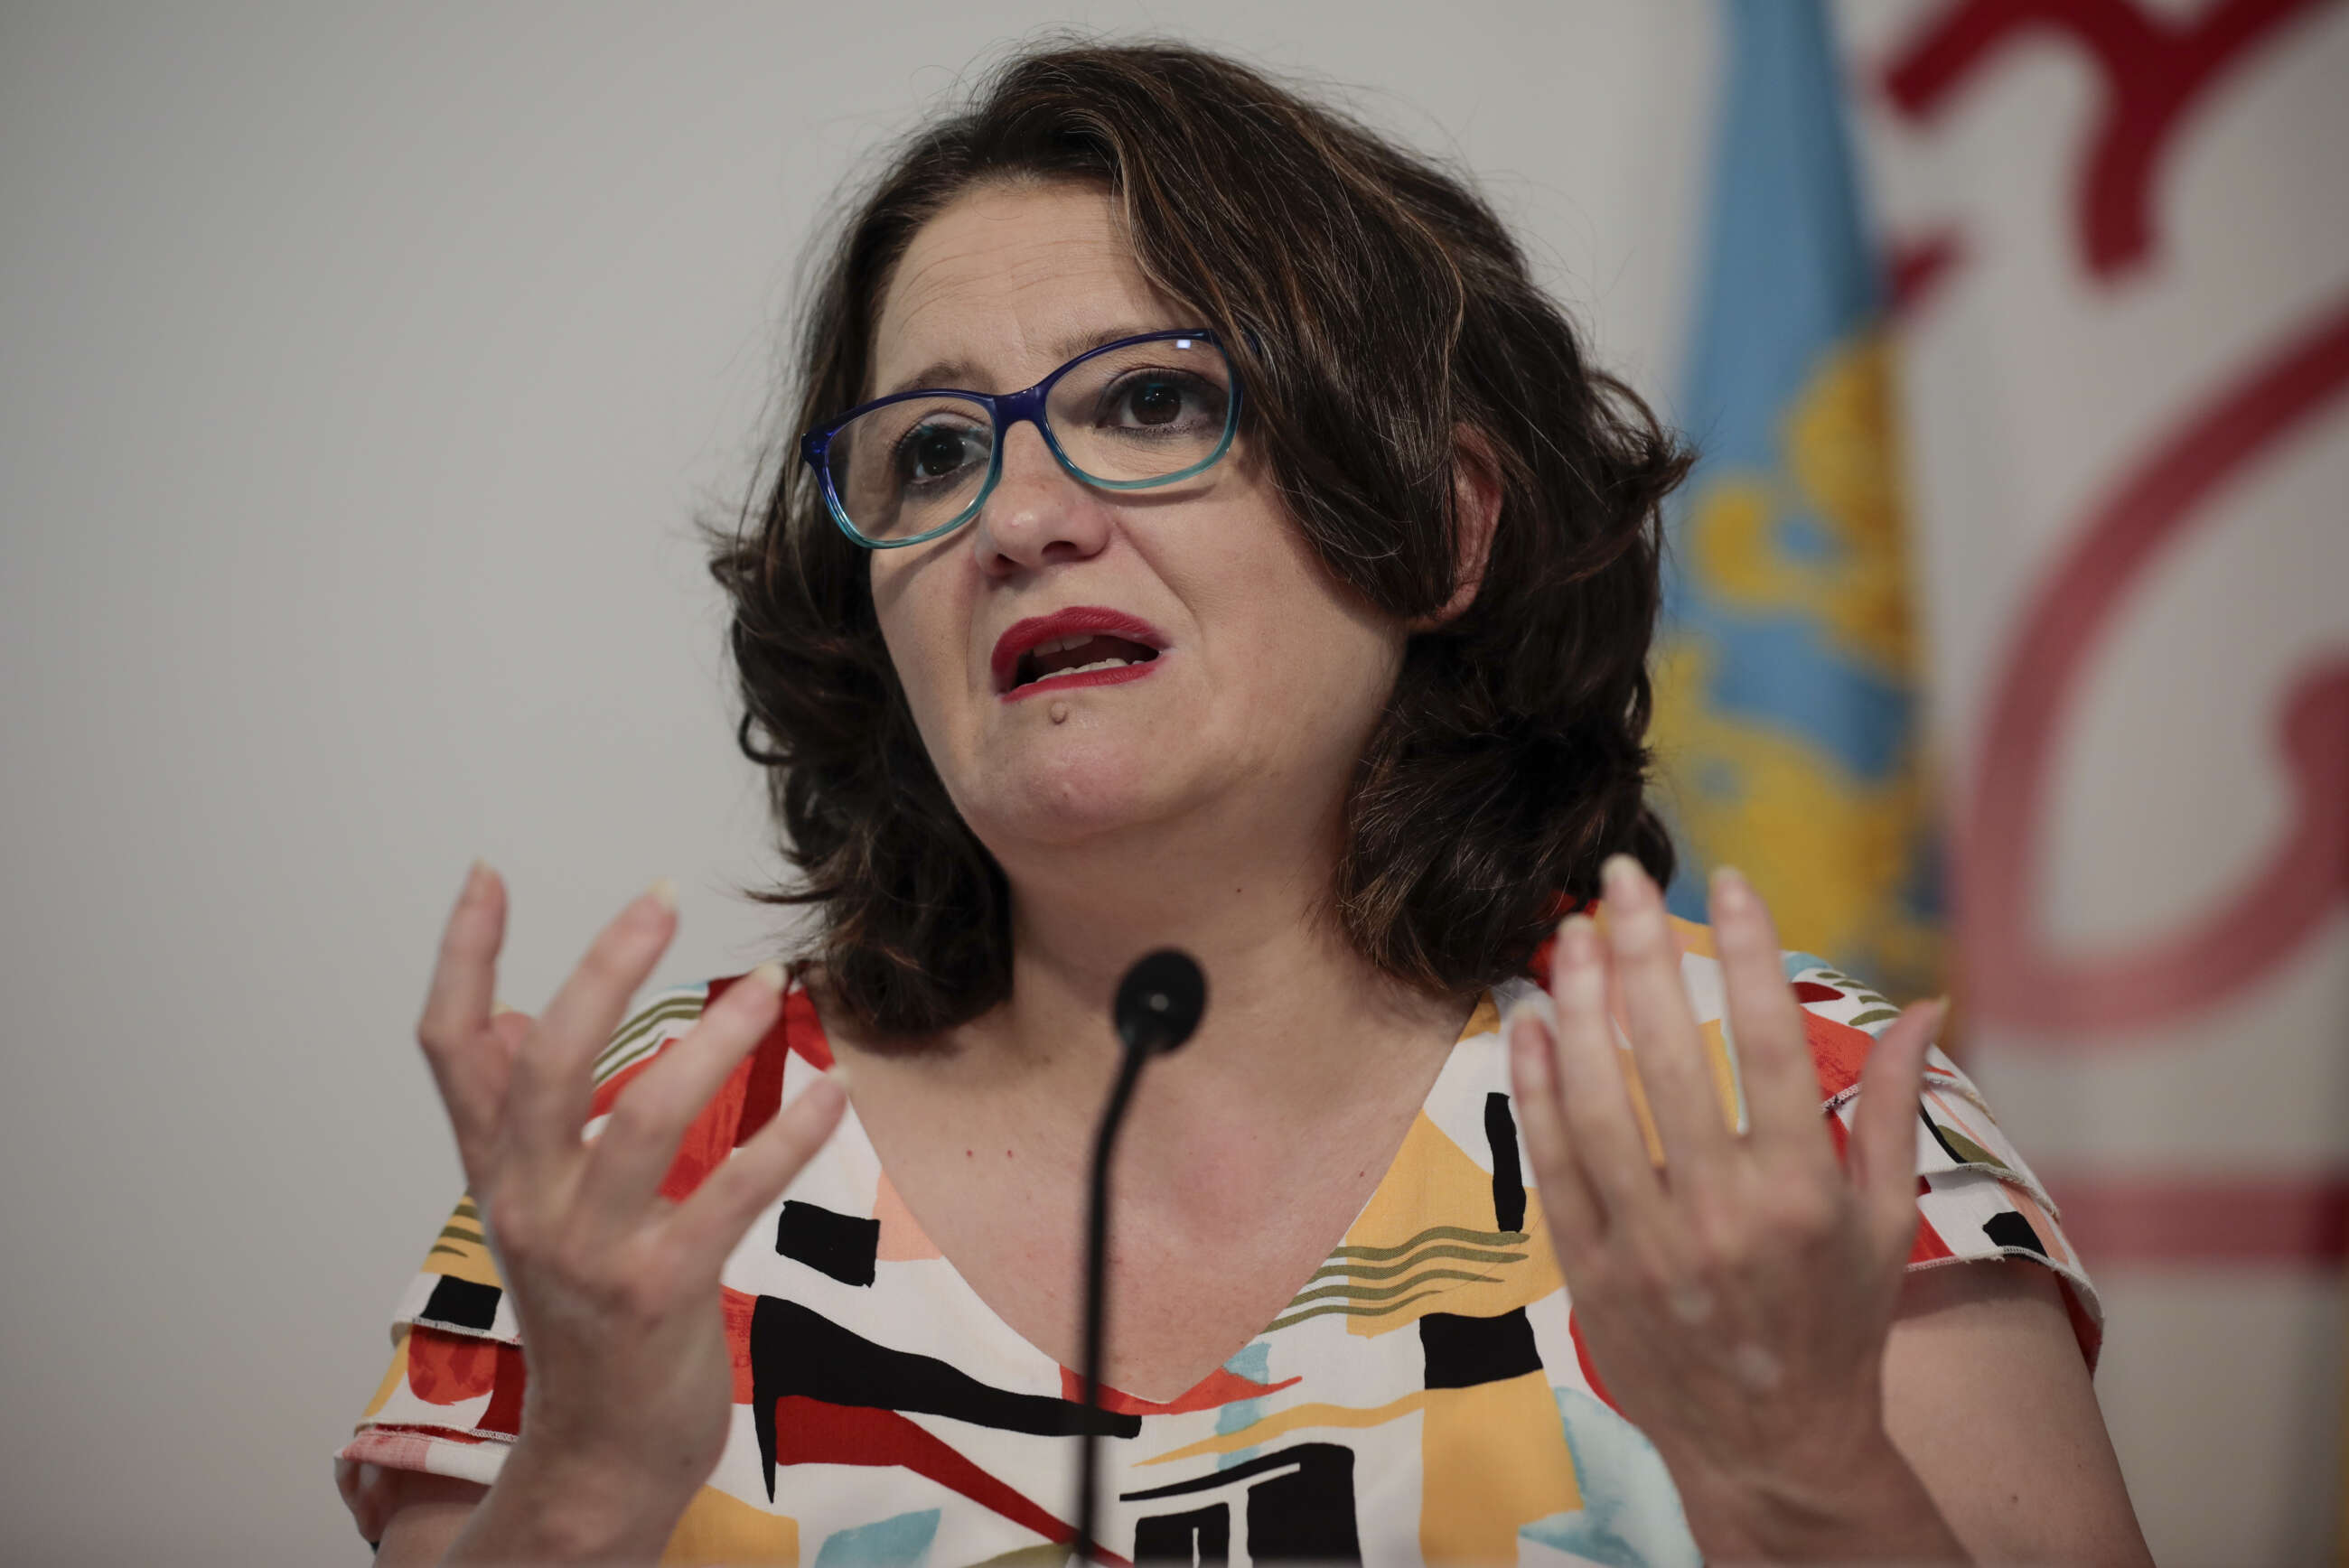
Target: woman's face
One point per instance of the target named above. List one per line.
(1266, 678)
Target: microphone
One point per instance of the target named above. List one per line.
(1158, 1006)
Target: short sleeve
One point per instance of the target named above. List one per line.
(1976, 1198)
(451, 1402)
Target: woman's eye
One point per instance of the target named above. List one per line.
(932, 452)
(1163, 402)
(1156, 403)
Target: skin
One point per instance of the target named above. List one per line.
(1919, 1417)
(1747, 1304)
(615, 1287)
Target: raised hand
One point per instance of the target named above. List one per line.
(615, 1287)
(1735, 1297)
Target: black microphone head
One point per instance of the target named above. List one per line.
(1160, 1000)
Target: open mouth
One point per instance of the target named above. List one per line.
(1083, 645)
(1092, 654)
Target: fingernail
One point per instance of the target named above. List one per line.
(1532, 1005)
(1732, 893)
(770, 974)
(499, 1008)
(837, 1074)
(664, 893)
(1621, 876)
(1577, 939)
(477, 879)
(1532, 1060)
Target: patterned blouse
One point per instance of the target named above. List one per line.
(1424, 1398)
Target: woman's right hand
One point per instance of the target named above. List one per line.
(614, 1288)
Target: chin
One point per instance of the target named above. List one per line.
(1074, 787)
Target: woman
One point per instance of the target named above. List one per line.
(1294, 613)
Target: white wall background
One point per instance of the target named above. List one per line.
(361, 373)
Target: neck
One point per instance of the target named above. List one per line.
(1299, 1024)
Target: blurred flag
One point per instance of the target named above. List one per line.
(2125, 385)
(1786, 713)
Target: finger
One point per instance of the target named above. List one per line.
(1884, 1128)
(511, 1025)
(507, 1029)
(1665, 1038)
(1774, 1054)
(546, 1104)
(468, 1066)
(713, 1219)
(639, 1141)
(1601, 1126)
(1568, 1207)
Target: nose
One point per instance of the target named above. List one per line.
(1039, 514)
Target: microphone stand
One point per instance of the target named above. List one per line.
(1129, 1073)
(1158, 1006)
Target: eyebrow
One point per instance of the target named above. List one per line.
(956, 374)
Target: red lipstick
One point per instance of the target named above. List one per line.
(1025, 656)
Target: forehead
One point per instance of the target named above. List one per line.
(1004, 278)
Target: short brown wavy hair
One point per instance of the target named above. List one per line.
(1375, 307)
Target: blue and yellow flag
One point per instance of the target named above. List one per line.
(1786, 715)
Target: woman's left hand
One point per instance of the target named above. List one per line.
(1735, 1298)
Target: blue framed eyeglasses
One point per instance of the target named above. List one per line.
(1140, 411)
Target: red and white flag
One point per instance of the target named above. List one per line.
(2120, 241)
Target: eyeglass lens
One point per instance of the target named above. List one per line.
(1130, 414)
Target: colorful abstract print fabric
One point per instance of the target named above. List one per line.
(1424, 1397)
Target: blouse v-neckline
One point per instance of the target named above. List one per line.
(1483, 1018)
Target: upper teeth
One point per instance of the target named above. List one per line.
(1058, 643)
